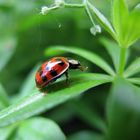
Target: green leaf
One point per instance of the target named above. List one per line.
(61, 114)
(100, 18)
(28, 85)
(39, 129)
(93, 118)
(94, 58)
(125, 23)
(85, 135)
(4, 100)
(7, 48)
(113, 50)
(6, 132)
(133, 68)
(123, 111)
(134, 80)
(119, 18)
(59, 92)
(133, 28)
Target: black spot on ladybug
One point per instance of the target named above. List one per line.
(53, 73)
(61, 63)
(44, 78)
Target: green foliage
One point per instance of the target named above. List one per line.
(37, 102)
(123, 110)
(7, 47)
(24, 41)
(85, 135)
(39, 129)
(28, 85)
(92, 118)
(4, 100)
(113, 50)
(125, 23)
(94, 58)
(100, 18)
(133, 68)
(134, 80)
(7, 132)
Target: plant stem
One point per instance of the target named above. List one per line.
(122, 61)
(90, 16)
(74, 5)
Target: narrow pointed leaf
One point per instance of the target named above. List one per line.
(59, 92)
(134, 80)
(119, 18)
(113, 50)
(126, 23)
(91, 56)
(133, 29)
(133, 68)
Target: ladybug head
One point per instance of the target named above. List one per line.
(75, 64)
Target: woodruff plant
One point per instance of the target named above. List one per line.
(124, 101)
(123, 105)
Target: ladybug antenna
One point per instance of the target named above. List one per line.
(82, 68)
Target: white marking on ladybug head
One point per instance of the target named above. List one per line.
(74, 62)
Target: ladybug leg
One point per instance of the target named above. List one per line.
(67, 76)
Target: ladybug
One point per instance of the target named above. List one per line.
(53, 69)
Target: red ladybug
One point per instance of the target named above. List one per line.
(53, 69)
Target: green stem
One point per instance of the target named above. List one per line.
(89, 14)
(122, 61)
(74, 5)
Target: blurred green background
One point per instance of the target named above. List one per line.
(24, 36)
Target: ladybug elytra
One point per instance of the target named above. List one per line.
(53, 69)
